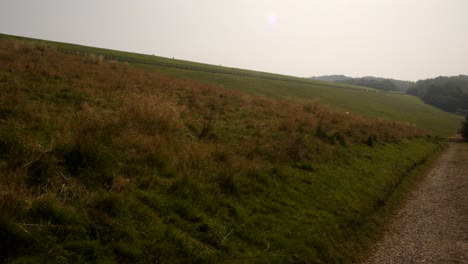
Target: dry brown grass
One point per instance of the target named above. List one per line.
(98, 148)
(50, 99)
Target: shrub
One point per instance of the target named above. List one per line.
(464, 129)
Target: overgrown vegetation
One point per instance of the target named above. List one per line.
(102, 162)
(384, 84)
(464, 129)
(398, 107)
(447, 93)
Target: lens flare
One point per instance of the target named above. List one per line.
(272, 19)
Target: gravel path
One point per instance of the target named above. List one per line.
(432, 225)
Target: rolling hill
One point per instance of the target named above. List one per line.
(140, 159)
(348, 98)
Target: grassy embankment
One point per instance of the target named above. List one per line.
(398, 107)
(103, 162)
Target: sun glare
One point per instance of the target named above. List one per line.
(272, 19)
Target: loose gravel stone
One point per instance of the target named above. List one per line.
(432, 225)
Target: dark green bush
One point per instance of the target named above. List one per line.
(464, 129)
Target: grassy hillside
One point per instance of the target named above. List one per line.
(399, 107)
(104, 162)
(363, 101)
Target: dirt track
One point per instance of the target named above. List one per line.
(432, 225)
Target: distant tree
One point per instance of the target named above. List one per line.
(376, 83)
(446, 93)
(369, 81)
(464, 129)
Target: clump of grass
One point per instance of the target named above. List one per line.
(91, 163)
(66, 96)
(49, 212)
(11, 149)
(40, 171)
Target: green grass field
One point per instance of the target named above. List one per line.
(398, 107)
(110, 162)
(367, 102)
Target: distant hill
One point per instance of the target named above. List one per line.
(447, 93)
(383, 84)
(332, 78)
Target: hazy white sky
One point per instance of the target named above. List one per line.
(403, 39)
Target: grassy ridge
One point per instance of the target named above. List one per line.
(393, 106)
(102, 162)
(363, 101)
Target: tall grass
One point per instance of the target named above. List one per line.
(104, 162)
(359, 100)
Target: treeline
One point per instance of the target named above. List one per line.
(447, 93)
(378, 83)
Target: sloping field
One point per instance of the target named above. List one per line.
(105, 162)
(363, 101)
(398, 107)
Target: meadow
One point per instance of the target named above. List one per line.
(399, 107)
(110, 162)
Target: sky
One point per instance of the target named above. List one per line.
(401, 39)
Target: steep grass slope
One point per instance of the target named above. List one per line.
(398, 107)
(103, 162)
